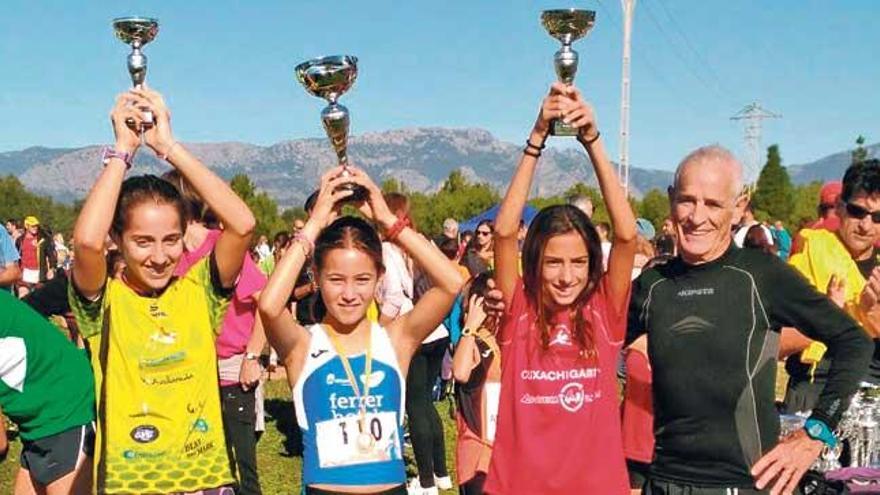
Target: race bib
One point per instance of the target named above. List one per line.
(492, 396)
(341, 442)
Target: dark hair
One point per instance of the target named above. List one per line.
(479, 285)
(196, 209)
(756, 238)
(449, 247)
(862, 177)
(281, 239)
(553, 221)
(15, 222)
(349, 233)
(140, 189)
(309, 205)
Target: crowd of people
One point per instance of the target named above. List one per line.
(170, 304)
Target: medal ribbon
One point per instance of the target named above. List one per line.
(349, 372)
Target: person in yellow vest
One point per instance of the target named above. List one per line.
(842, 261)
(151, 333)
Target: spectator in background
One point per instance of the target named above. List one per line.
(298, 225)
(450, 231)
(62, 254)
(756, 239)
(644, 249)
(10, 272)
(781, 239)
(38, 259)
(748, 220)
(13, 227)
(262, 248)
(828, 219)
(583, 203)
(829, 195)
(604, 231)
(478, 256)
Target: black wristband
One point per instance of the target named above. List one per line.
(530, 145)
(530, 152)
(586, 142)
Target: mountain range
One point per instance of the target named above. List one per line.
(420, 158)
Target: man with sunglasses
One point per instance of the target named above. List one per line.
(845, 265)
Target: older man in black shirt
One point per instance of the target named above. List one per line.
(713, 316)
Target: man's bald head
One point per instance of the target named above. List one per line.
(713, 157)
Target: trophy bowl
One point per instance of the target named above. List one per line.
(568, 25)
(140, 29)
(328, 77)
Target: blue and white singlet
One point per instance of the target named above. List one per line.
(327, 411)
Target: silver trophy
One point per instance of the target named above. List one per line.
(330, 78)
(567, 26)
(137, 32)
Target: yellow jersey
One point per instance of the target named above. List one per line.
(159, 424)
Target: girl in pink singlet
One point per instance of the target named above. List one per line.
(558, 419)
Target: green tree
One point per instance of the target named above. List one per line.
(806, 198)
(773, 194)
(264, 208)
(654, 207)
(17, 202)
(859, 154)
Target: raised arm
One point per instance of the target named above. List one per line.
(93, 223)
(282, 331)
(238, 221)
(510, 212)
(623, 244)
(467, 353)
(429, 312)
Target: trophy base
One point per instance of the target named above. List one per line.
(560, 128)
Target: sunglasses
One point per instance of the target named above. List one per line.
(859, 213)
(489, 232)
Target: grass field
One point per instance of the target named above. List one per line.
(277, 455)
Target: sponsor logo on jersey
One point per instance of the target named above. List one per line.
(144, 433)
(705, 291)
(571, 397)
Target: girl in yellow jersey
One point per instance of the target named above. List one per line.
(348, 374)
(151, 334)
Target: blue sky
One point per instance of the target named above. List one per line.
(226, 69)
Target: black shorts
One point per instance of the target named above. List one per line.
(51, 458)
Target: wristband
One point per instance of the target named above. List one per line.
(467, 332)
(305, 242)
(539, 148)
(818, 430)
(250, 356)
(395, 230)
(109, 153)
(530, 152)
(587, 142)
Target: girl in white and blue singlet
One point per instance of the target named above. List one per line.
(348, 374)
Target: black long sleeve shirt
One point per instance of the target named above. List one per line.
(713, 337)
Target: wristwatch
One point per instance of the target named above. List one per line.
(818, 430)
(467, 332)
(109, 153)
(250, 356)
